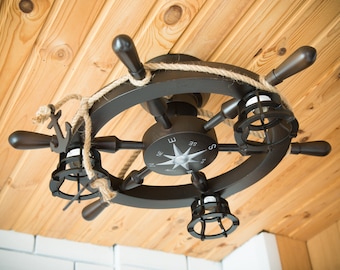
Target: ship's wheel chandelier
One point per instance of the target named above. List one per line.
(174, 89)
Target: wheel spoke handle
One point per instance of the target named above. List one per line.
(112, 144)
(135, 179)
(91, 211)
(229, 110)
(316, 148)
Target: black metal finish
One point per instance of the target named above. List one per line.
(302, 58)
(317, 148)
(126, 51)
(200, 182)
(182, 149)
(229, 110)
(71, 168)
(25, 140)
(158, 108)
(91, 211)
(112, 144)
(258, 115)
(59, 143)
(134, 179)
(209, 209)
(171, 83)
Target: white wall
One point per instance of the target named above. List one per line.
(23, 251)
(259, 253)
(20, 251)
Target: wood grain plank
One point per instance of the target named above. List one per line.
(210, 27)
(18, 33)
(305, 25)
(323, 249)
(51, 58)
(329, 214)
(293, 253)
(254, 30)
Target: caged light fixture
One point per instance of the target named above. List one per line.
(174, 88)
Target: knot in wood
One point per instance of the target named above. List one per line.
(62, 54)
(173, 15)
(26, 6)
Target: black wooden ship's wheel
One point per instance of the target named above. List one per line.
(180, 142)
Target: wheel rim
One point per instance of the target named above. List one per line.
(181, 82)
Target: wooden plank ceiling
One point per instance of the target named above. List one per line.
(63, 47)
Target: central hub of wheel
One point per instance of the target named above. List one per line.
(182, 149)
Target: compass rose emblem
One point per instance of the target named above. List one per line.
(181, 159)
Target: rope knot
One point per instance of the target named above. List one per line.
(103, 186)
(42, 114)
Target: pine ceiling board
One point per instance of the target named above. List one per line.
(326, 92)
(160, 31)
(18, 34)
(287, 186)
(42, 75)
(299, 208)
(327, 128)
(254, 30)
(159, 230)
(307, 206)
(95, 60)
(302, 28)
(326, 43)
(325, 218)
(19, 31)
(211, 25)
(43, 71)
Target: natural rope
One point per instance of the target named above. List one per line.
(262, 84)
(45, 111)
(102, 184)
(211, 70)
(128, 164)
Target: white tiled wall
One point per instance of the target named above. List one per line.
(69, 250)
(20, 251)
(196, 263)
(13, 260)
(128, 258)
(16, 241)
